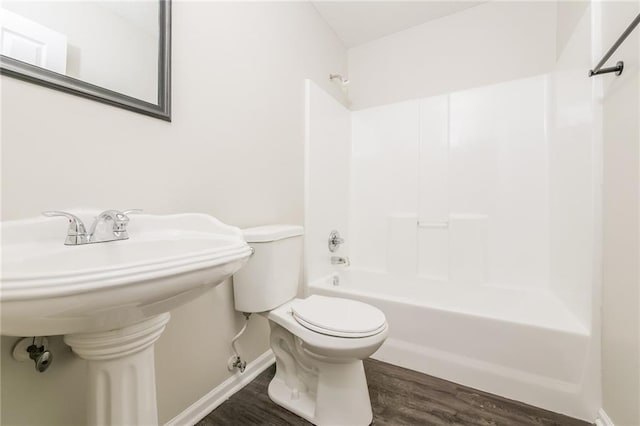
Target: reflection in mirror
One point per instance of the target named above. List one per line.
(107, 44)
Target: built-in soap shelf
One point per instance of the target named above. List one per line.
(454, 250)
(437, 225)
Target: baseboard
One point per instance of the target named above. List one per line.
(603, 419)
(199, 409)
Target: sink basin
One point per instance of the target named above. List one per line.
(112, 300)
(48, 288)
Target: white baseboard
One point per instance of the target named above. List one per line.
(603, 419)
(199, 409)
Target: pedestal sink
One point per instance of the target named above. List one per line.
(111, 300)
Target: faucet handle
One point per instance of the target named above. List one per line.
(126, 214)
(334, 241)
(123, 219)
(76, 233)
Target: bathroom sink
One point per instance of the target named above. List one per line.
(48, 288)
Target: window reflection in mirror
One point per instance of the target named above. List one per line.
(111, 44)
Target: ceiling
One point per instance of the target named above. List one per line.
(358, 22)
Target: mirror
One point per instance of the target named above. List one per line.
(112, 51)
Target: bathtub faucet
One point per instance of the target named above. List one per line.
(337, 260)
(334, 241)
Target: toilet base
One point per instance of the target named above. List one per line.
(341, 398)
(302, 404)
(324, 393)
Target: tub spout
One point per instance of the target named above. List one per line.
(337, 260)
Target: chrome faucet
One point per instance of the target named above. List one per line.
(77, 234)
(334, 241)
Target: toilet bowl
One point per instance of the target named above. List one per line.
(319, 342)
(328, 330)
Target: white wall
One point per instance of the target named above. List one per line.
(327, 165)
(233, 150)
(569, 15)
(493, 42)
(621, 241)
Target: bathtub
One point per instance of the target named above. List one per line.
(522, 345)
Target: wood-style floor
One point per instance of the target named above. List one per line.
(398, 397)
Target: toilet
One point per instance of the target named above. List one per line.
(319, 342)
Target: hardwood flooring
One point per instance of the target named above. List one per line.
(398, 397)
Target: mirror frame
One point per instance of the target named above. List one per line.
(43, 77)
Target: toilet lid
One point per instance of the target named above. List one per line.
(339, 317)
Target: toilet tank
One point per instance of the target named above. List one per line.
(270, 277)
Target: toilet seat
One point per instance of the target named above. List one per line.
(338, 317)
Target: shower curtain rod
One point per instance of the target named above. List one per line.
(620, 64)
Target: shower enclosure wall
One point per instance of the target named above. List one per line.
(470, 220)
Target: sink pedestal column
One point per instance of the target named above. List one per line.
(122, 385)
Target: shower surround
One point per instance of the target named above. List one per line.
(470, 220)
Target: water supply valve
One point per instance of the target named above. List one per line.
(35, 349)
(235, 362)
